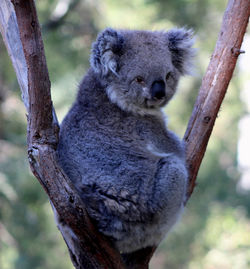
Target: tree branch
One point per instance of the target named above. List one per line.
(214, 84)
(89, 249)
(8, 24)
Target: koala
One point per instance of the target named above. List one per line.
(114, 144)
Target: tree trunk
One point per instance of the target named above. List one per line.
(22, 36)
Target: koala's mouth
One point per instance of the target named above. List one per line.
(154, 103)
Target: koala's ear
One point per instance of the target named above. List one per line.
(180, 43)
(105, 52)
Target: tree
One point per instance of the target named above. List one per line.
(21, 32)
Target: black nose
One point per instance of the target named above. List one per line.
(158, 89)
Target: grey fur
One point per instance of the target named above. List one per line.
(114, 144)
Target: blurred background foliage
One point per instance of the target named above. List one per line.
(215, 229)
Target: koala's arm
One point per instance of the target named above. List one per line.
(163, 186)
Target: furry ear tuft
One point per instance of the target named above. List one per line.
(180, 43)
(105, 52)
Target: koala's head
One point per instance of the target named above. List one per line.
(141, 68)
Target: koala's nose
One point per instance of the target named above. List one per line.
(158, 89)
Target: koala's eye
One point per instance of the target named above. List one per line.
(168, 75)
(139, 80)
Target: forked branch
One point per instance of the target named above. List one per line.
(22, 36)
